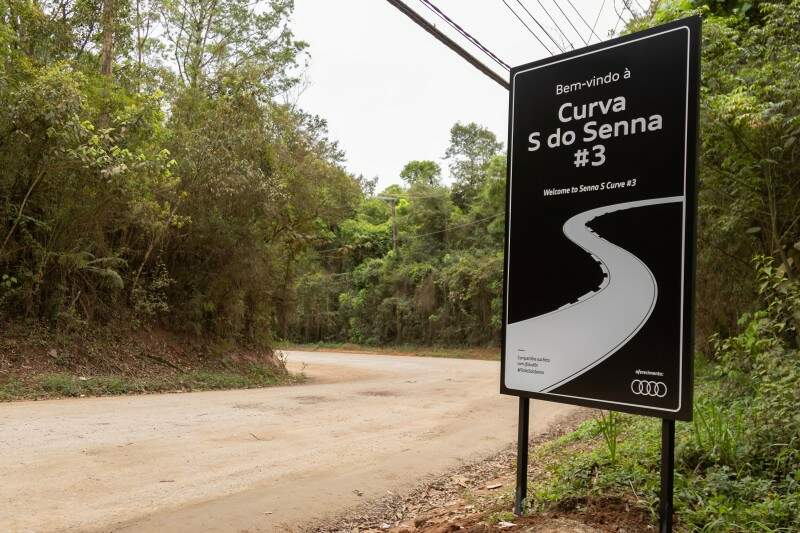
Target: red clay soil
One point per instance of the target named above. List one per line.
(31, 349)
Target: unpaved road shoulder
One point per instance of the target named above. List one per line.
(253, 460)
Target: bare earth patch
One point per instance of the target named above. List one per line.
(478, 498)
(39, 362)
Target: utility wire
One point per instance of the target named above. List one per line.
(527, 27)
(619, 15)
(625, 3)
(571, 24)
(450, 43)
(419, 236)
(583, 19)
(597, 17)
(540, 26)
(546, 12)
(465, 33)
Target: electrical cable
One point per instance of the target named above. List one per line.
(414, 197)
(583, 19)
(430, 5)
(420, 21)
(628, 7)
(597, 17)
(419, 236)
(540, 26)
(619, 16)
(571, 24)
(546, 12)
(527, 27)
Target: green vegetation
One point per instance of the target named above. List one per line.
(150, 177)
(750, 157)
(148, 171)
(178, 192)
(737, 463)
(60, 385)
(443, 283)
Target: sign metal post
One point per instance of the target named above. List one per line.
(667, 473)
(522, 456)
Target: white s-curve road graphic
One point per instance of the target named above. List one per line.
(546, 351)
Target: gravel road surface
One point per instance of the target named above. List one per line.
(251, 460)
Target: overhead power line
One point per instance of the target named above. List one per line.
(571, 24)
(546, 12)
(527, 27)
(420, 235)
(628, 7)
(599, 11)
(583, 19)
(464, 33)
(540, 26)
(447, 41)
(620, 17)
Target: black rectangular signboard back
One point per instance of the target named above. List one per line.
(601, 202)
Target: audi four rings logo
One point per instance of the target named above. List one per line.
(648, 388)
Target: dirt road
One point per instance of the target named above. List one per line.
(252, 460)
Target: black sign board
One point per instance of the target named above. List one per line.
(598, 289)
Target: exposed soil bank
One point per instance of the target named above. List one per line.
(37, 362)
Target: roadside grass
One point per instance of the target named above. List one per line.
(64, 385)
(491, 353)
(500, 516)
(725, 480)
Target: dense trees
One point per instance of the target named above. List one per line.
(750, 161)
(444, 283)
(147, 172)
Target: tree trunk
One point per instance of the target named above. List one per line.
(107, 51)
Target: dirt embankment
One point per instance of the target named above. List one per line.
(40, 362)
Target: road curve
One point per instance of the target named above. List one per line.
(250, 460)
(546, 351)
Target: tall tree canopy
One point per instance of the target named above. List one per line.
(147, 171)
(471, 148)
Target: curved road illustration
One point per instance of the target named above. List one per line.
(546, 351)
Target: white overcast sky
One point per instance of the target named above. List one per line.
(391, 92)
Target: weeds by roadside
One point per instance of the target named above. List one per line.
(61, 385)
(737, 462)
